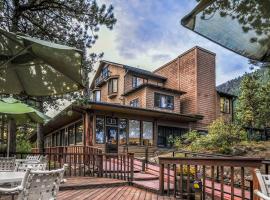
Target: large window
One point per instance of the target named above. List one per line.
(122, 131)
(100, 133)
(113, 86)
(97, 96)
(147, 133)
(224, 105)
(71, 135)
(164, 101)
(136, 81)
(164, 133)
(134, 102)
(79, 132)
(134, 132)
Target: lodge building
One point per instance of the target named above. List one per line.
(131, 108)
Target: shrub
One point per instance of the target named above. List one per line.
(23, 146)
(221, 137)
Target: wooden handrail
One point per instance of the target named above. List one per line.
(176, 175)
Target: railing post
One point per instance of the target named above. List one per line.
(161, 178)
(254, 185)
(131, 166)
(100, 165)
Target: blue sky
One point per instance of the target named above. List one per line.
(148, 34)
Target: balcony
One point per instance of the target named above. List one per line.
(102, 78)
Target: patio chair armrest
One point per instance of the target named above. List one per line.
(261, 195)
(11, 190)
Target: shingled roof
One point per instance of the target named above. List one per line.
(137, 70)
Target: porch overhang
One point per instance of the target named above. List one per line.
(117, 108)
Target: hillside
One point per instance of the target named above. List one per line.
(233, 86)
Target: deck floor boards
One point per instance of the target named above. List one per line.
(115, 193)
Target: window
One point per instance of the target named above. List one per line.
(62, 133)
(165, 133)
(113, 86)
(134, 132)
(224, 105)
(100, 123)
(147, 133)
(53, 140)
(58, 139)
(105, 72)
(164, 101)
(97, 96)
(136, 81)
(122, 131)
(79, 132)
(111, 121)
(134, 103)
(71, 136)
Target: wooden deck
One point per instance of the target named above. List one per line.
(111, 193)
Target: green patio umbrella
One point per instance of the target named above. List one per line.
(13, 109)
(37, 68)
(240, 26)
(21, 112)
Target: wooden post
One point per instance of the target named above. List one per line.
(11, 136)
(255, 185)
(161, 178)
(131, 166)
(40, 138)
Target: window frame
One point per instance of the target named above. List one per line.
(111, 89)
(140, 131)
(222, 106)
(131, 103)
(104, 131)
(95, 95)
(126, 130)
(157, 103)
(135, 83)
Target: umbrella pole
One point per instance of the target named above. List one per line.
(11, 147)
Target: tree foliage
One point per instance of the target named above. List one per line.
(68, 22)
(253, 107)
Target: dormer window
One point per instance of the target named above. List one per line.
(136, 81)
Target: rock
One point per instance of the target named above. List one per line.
(237, 151)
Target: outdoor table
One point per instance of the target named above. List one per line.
(11, 177)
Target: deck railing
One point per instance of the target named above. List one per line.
(86, 162)
(217, 178)
(186, 154)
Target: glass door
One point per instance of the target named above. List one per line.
(111, 139)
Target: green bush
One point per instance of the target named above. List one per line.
(221, 137)
(23, 146)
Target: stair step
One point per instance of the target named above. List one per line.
(144, 177)
(152, 186)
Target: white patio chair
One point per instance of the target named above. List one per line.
(7, 163)
(22, 167)
(37, 185)
(264, 182)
